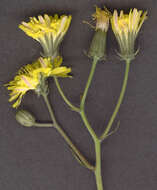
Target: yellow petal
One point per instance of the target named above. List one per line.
(60, 70)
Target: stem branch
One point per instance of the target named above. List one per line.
(66, 138)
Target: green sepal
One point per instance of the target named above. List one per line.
(126, 46)
(98, 45)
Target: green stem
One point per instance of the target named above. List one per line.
(64, 97)
(82, 105)
(95, 60)
(105, 133)
(97, 141)
(43, 125)
(81, 110)
(98, 165)
(50, 110)
(66, 138)
(87, 124)
(75, 150)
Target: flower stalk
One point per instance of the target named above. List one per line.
(43, 125)
(82, 105)
(95, 60)
(74, 108)
(115, 112)
(97, 142)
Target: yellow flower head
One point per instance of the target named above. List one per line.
(102, 18)
(126, 28)
(29, 77)
(47, 30)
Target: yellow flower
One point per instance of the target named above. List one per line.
(126, 28)
(48, 31)
(29, 77)
(102, 18)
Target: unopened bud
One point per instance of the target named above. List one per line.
(25, 118)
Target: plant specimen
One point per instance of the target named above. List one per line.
(49, 32)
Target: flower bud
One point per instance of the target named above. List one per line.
(98, 44)
(25, 118)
